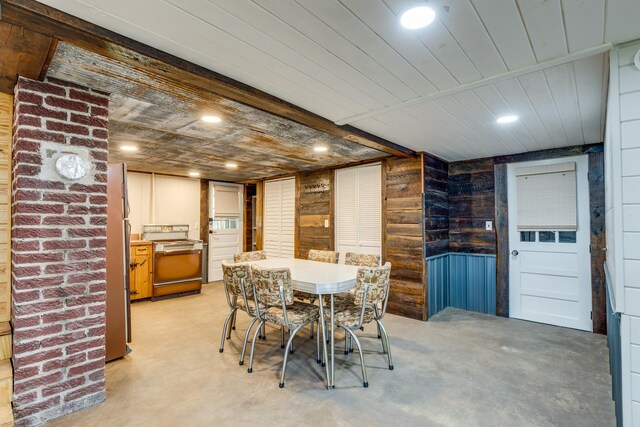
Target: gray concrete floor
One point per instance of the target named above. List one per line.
(459, 369)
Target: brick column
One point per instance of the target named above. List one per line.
(58, 250)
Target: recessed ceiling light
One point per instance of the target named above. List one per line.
(320, 148)
(417, 17)
(506, 119)
(211, 119)
(128, 148)
(194, 173)
(231, 165)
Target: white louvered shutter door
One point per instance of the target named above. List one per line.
(287, 217)
(272, 214)
(346, 211)
(369, 209)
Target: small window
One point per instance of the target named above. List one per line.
(567, 236)
(547, 236)
(224, 223)
(527, 236)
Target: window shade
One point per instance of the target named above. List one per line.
(546, 197)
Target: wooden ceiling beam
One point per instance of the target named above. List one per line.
(41, 18)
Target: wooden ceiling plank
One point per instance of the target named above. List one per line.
(39, 17)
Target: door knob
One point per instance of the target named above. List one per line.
(514, 252)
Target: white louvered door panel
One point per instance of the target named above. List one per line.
(369, 209)
(346, 211)
(287, 217)
(272, 218)
(279, 217)
(358, 210)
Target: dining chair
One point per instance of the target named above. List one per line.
(369, 305)
(249, 256)
(330, 257)
(323, 256)
(275, 304)
(239, 292)
(362, 260)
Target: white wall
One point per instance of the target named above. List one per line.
(622, 162)
(176, 201)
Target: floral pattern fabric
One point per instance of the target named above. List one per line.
(376, 281)
(268, 282)
(249, 256)
(233, 276)
(324, 256)
(347, 313)
(299, 313)
(362, 260)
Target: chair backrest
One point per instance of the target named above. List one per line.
(249, 256)
(267, 282)
(363, 260)
(323, 256)
(232, 275)
(376, 281)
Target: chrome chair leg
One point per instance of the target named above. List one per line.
(318, 360)
(253, 346)
(346, 343)
(225, 330)
(379, 335)
(263, 333)
(365, 383)
(281, 336)
(311, 334)
(292, 334)
(233, 321)
(350, 345)
(386, 339)
(246, 338)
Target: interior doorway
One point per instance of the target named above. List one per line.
(549, 260)
(225, 225)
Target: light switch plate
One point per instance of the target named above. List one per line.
(326, 223)
(488, 225)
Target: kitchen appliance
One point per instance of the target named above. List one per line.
(118, 312)
(177, 260)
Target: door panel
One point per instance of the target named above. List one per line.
(226, 227)
(549, 270)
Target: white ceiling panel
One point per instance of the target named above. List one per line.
(437, 89)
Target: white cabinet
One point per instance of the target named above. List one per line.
(359, 210)
(279, 217)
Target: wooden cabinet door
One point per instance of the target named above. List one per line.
(141, 272)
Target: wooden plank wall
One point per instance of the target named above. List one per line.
(6, 127)
(204, 210)
(314, 206)
(471, 203)
(436, 206)
(249, 192)
(403, 181)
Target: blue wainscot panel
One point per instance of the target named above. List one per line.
(466, 281)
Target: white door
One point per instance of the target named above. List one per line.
(225, 226)
(359, 210)
(279, 217)
(549, 262)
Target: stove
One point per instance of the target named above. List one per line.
(177, 268)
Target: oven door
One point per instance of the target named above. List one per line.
(178, 266)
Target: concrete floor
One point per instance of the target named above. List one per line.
(459, 369)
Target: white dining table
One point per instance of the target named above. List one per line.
(320, 278)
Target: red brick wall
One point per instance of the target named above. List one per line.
(58, 250)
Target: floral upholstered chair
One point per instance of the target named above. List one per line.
(369, 304)
(249, 256)
(323, 256)
(362, 260)
(274, 298)
(239, 292)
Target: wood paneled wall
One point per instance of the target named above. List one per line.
(402, 245)
(436, 206)
(249, 192)
(204, 210)
(314, 206)
(471, 203)
(6, 128)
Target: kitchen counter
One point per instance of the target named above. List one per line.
(140, 242)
